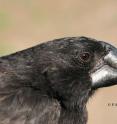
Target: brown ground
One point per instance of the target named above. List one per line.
(24, 23)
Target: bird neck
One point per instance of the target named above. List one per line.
(74, 110)
(78, 116)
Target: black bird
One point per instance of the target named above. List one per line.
(52, 82)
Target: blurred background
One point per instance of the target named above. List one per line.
(25, 23)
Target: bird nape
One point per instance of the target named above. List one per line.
(52, 82)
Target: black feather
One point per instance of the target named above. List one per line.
(48, 83)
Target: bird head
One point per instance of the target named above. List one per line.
(75, 67)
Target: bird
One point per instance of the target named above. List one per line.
(51, 83)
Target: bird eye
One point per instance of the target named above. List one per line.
(85, 56)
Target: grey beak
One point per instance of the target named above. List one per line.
(107, 74)
(111, 58)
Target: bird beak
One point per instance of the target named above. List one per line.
(106, 74)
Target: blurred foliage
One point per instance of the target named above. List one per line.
(4, 20)
(38, 16)
(5, 49)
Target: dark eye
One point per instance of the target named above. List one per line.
(85, 56)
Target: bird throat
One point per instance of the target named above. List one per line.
(78, 116)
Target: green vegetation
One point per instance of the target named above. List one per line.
(5, 49)
(4, 20)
